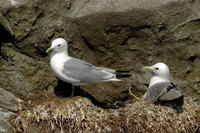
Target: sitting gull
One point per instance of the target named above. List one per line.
(160, 87)
(73, 70)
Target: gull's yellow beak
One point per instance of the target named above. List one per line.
(148, 68)
(49, 49)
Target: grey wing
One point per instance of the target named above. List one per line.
(83, 71)
(155, 91)
(106, 69)
(99, 68)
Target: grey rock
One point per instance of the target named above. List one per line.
(85, 7)
(8, 105)
(21, 74)
(7, 4)
(9, 101)
(5, 126)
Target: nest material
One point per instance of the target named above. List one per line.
(78, 114)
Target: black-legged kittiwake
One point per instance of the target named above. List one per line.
(160, 87)
(73, 70)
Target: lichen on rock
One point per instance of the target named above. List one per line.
(28, 74)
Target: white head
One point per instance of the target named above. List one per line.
(58, 45)
(159, 69)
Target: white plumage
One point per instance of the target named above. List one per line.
(76, 71)
(160, 86)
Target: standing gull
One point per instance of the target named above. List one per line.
(73, 70)
(160, 87)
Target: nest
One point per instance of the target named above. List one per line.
(79, 115)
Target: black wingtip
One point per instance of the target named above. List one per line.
(122, 71)
(123, 76)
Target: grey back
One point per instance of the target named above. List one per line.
(154, 92)
(84, 72)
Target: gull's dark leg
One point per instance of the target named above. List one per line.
(73, 88)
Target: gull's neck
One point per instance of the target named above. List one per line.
(62, 53)
(157, 79)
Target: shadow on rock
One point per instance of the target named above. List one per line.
(6, 37)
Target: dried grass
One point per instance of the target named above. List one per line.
(79, 115)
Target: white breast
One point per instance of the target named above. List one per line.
(157, 79)
(57, 64)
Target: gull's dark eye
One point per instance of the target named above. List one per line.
(156, 68)
(59, 45)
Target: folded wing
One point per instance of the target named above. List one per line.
(87, 73)
(154, 92)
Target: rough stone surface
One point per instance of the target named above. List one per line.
(123, 36)
(85, 7)
(22, 74)
(5, 126)
(9, 101)
(9, 105)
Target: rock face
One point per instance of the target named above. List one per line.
(22, 74)
(119, 35)
(9, 105)
(84, 7)
(122, 35)
(5, 126)
(8, 100)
